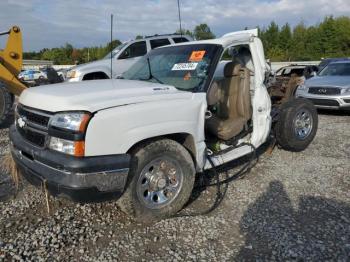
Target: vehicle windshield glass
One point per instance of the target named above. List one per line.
(115, 51)
(323, 64)
(336, 69)
(185, 67)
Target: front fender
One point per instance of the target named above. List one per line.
(116, 130)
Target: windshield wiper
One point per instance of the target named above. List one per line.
(151, 76)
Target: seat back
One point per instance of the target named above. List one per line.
(234, 106)
(228, 91)
(243, 106)
(234, 96)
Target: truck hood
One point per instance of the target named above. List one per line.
(329, 81)
(96, 95)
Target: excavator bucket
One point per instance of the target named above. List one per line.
(11, 61)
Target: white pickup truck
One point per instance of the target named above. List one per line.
(142, 138)
(122, 58)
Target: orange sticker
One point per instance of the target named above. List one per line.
(197, 56)
(187, 76)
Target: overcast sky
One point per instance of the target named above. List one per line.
(52, 23)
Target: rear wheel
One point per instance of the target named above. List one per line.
(297, 125)
(6, 108)
(162, 177)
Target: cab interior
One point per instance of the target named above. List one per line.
(229, 115)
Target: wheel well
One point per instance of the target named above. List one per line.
(186, 140)
(95, 75)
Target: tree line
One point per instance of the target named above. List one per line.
(330, 38)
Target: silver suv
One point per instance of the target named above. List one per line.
(123, 57)
(330, 88)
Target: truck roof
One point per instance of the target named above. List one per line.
(227, 39)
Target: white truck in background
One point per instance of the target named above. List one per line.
(123, 57)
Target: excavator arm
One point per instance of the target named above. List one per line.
(11, 61)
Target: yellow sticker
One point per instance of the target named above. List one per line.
(197, 56)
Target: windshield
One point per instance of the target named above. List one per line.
(115, 51)
(185, 67)
(336, 69)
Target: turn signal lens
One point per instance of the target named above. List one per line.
(74, 148)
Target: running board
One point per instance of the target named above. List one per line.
(224, 158)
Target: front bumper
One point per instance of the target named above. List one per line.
(327, 101)
(80, 179)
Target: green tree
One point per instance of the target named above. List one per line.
(271, 36)
(202, 32)
(285, 41)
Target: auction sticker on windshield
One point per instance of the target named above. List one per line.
(184, 66)
(197, 56)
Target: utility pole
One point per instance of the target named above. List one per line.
(111, 46)
(178, 8)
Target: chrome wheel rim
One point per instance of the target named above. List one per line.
(303, 123)
(160, 182)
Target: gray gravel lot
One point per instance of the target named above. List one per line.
(291, 206)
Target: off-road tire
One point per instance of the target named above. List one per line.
(130, 203)
(6, 108)
(284, 128)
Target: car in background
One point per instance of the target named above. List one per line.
(62, 73)
(123, 57)
(330, 88)
(52, 76)
(306, 71)
(32, 75)
(287, 79)
(327, 61)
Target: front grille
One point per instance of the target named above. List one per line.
(33, 116)
(324, 90)
(32, 136)
(324, 102)
(32, 125)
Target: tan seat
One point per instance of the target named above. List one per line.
(234, 103)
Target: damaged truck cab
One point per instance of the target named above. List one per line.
(142, 138)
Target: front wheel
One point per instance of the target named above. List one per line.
(6, 108)
(161, 181)
(297, 124)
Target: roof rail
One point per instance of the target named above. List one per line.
(149, 36)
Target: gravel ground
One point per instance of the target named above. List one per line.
(291, 206)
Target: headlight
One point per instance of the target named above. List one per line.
(302, 87)
(74, 148)
(72, 74)
(76, 122)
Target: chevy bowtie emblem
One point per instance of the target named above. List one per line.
(21, 122)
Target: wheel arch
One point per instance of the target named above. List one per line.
(100, 73)
(184, 139)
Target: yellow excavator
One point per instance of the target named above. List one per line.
(11, 59)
